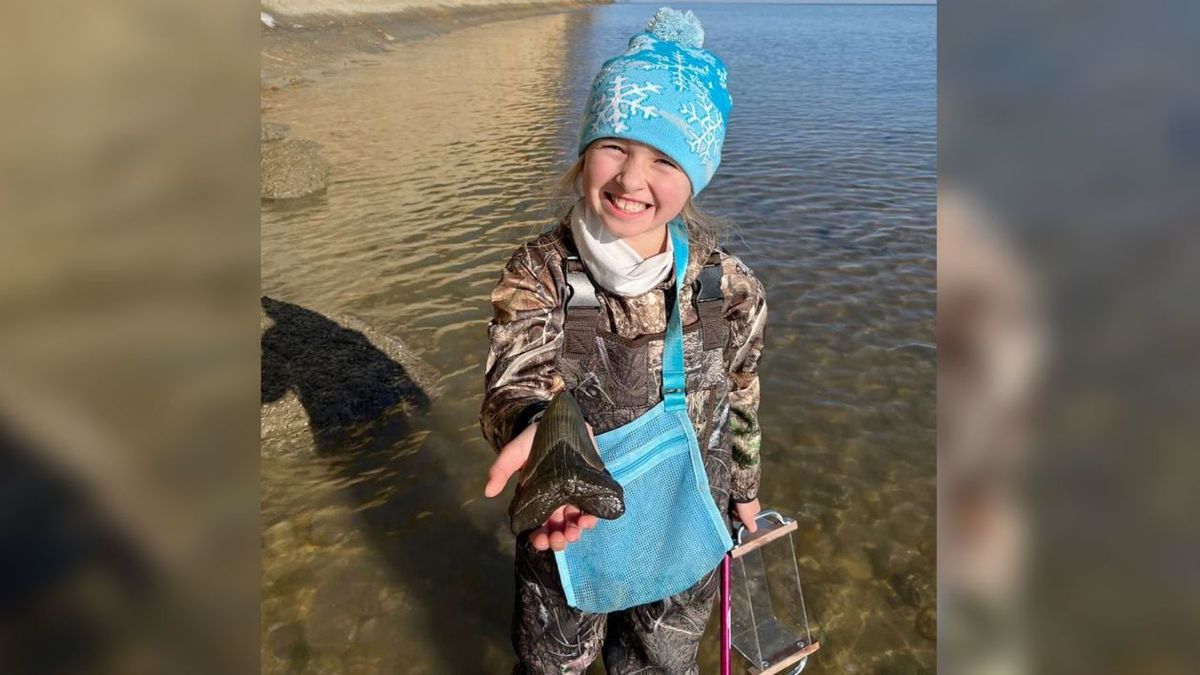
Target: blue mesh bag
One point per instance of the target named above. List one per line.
(671, 533)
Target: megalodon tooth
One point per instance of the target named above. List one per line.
(563, 468)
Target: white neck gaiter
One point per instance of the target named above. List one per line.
(614, 263)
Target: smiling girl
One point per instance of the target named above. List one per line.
(636, 189)
(599, 306)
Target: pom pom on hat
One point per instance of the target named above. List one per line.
(676, 26)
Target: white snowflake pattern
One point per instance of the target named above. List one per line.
(684, 75)
(623, 100)
(622, 66)
(704, 129)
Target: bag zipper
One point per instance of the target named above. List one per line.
(637, 467)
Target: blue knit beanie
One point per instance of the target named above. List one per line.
(666, 91)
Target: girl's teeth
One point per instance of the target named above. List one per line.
(628, 206)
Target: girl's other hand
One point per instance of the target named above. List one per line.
(748, 514)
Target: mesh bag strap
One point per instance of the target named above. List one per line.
(674, 383)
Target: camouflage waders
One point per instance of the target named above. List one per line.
(608, 350)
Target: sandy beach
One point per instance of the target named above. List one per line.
(306, 40)
(308, 37)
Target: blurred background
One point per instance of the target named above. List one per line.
(1068, 160)
(128, 341)
(131, 330)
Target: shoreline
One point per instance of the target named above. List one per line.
(309, 35)
(299, 50)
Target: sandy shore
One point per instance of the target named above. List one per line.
(309, 35)
(306, 40)
(296, 8)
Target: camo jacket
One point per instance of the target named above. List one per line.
(526, 365)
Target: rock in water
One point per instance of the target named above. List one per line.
(273, 131)
(564, 468)
(292, 168)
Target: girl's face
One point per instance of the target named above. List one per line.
(635, 189)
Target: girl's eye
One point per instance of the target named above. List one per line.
(669, 163)
(613, 146)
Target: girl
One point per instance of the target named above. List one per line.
(589, 307)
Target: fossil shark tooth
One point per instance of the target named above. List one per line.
(563, 468)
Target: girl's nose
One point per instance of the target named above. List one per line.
(633, 175)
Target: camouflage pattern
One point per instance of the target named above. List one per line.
(552, 637)
(614, 384)
(526, 337)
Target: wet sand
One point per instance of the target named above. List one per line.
(308, 40)
(314, 38)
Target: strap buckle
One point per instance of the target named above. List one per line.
(583, 293)
(707, 287)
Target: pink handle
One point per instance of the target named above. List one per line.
(726, 629)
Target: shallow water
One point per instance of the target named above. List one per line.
(380, 553)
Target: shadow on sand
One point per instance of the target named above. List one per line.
(373, 424)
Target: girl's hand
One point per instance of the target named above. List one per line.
(567, 522)
(748, 514)
(510, 460)
(564, 526)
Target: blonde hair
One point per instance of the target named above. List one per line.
(567, 192)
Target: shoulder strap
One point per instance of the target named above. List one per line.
(708, 298)
(582, 311)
